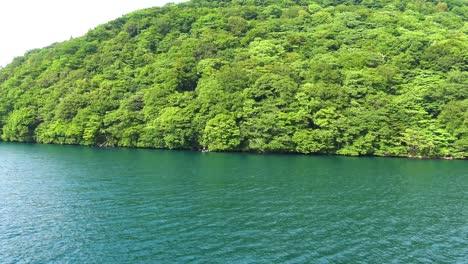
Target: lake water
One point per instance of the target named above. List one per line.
(68, 204)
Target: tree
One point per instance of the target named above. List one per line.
(371, 77)
(221, 133)
(20, 125)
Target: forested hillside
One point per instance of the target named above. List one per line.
(370, 77)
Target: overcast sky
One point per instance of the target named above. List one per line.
(30, 24)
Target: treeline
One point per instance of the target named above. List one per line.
(370, 77)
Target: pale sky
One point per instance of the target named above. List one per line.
(30, 24)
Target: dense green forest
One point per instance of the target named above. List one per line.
(347, 77)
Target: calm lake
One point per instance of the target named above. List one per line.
(69, 204)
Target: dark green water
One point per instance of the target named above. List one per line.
(65, 204)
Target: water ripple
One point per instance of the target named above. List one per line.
(74, 204)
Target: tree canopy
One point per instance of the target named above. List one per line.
(371, 77)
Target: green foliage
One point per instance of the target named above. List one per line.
(314, 141)
(386, 78)
(221, 133)
(20, 125)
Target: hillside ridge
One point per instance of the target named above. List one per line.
(372, 77)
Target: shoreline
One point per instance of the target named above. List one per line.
(203, 150)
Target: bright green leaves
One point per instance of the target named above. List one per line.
(325, 117)
(265, 51)
(314, 141)
(454, 118)
(274, 88)
(171, 129)
(338, 77)
(221, 133)
(69, 106)
(20, 125)
(364, 145)
(429, 141)
(237, 25)
(446, 55)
